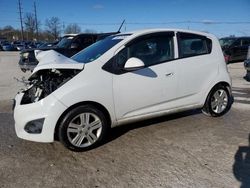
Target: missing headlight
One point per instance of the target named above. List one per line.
(44, 82)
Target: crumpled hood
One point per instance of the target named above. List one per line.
(55, 60)
(39, 54)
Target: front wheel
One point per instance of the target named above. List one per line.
(83, 128)
(219, 102)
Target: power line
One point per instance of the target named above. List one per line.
(167, 23)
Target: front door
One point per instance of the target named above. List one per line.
(149, 89)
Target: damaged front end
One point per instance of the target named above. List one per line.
(52, 72)
(44, 82)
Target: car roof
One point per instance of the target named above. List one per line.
(148, 31)
(78, 34)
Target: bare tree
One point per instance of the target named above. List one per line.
(72, 28)
(89, 31)
(30, 24)
(54, 27)
(8, 31)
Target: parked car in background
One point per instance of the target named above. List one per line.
(247, 67)
(235, 48)
(30, 45)
(123, 78)
(69, 45)
(47, 45)
(20, 47)
(2, 42)
(18, 43)
(8, 47)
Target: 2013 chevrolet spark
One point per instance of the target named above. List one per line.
(123, 78)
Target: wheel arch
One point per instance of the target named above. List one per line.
(92, 103)
(222, 83)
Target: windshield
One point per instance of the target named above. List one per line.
(65, 42)
(227, 41)
(97, 49)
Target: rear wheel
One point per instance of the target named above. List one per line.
(218, 102)
(83, 128)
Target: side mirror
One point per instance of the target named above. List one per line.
(133, 63)
(74, 45)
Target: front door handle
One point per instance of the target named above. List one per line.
(169, 74)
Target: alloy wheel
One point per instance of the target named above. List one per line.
(84, 130)
(219, 101)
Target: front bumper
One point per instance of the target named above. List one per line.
(49, 109)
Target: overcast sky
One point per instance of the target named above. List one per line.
(220, 17)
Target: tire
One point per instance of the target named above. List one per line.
(218, 102)
(248, 76)
(83, 128)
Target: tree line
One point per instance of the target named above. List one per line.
(51, 32)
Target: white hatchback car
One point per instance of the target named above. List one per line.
(123, 78)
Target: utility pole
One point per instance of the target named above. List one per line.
(21, 19)
(36, 21)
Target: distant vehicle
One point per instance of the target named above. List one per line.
(30, 45)
(8, 47)
(235, 48)
(123, 78)
(17, 43)
(2, 42)
(247, 65)
(20, 47)
(47, 45)
(69, 45)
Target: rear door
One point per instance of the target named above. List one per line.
(195, 65)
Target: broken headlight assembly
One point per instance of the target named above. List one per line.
(44, 82)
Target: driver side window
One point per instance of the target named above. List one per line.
(151, 50)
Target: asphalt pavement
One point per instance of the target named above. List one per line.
(183, 150)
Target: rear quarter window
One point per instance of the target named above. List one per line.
(193, 45)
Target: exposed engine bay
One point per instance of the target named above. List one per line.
(44, 82)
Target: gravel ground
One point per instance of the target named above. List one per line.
(182, 150)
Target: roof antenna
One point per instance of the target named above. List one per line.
(119, 30)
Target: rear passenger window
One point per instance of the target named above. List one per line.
(193, 45)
